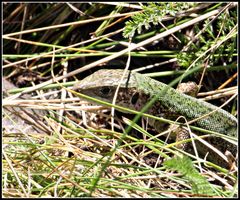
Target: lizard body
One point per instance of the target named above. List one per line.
(136, 90)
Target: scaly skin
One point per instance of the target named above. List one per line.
(136, 90)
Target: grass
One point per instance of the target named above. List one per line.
(68, 148)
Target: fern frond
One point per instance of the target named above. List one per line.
(183, 165)
(153, 13)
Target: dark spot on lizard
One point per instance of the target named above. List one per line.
(135, 98)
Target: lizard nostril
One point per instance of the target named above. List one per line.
(104, 91)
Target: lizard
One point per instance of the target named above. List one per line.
(136, 90)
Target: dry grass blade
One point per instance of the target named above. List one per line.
(58, 145)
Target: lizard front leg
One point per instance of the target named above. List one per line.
(191, 89)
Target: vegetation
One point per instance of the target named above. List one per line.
(70, 148)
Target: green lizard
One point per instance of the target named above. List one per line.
(136, 90)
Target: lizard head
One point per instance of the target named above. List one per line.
(103, 83)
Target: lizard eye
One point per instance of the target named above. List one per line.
(105, 91)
